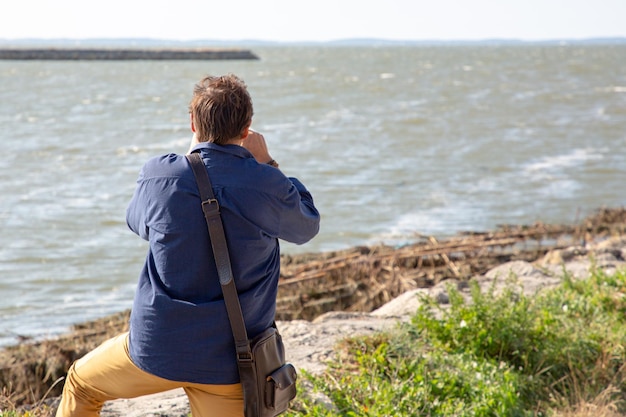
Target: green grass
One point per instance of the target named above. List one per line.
(560, 353)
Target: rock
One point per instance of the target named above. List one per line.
(306, 388)
(559, 256)
(513, 269)
(170, 403)
(616, 243)
(310, 345)
(403, 305)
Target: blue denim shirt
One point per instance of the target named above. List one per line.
(179, 328)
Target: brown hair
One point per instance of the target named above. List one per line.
(221, 107)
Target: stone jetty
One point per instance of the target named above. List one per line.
(125, 54)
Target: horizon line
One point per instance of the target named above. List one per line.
(330, 41)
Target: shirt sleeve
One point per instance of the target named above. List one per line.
(135, 213)
(300, 220)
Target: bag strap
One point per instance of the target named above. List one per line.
(211, 209)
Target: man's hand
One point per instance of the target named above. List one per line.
(255, 143)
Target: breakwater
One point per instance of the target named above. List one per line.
(124, 54)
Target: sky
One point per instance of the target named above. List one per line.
(315, 20)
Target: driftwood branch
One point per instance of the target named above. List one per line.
(364, 278)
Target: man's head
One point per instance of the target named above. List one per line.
(221, 109)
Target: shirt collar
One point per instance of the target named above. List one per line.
(235, 150)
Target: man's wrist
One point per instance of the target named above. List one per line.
(273, 163)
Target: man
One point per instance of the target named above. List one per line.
(179, 334)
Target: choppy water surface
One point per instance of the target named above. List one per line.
(392, 141)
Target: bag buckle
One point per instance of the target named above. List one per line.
(244, 358)
(244, 355)
(212, 207)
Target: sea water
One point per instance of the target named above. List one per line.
(393, 142)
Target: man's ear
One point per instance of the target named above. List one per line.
(193, 128)
(245, 132)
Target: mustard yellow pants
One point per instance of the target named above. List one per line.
(107, 373)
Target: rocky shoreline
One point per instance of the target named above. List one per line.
(310, 344)
(30, 369)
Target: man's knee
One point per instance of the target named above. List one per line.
(78, 398)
